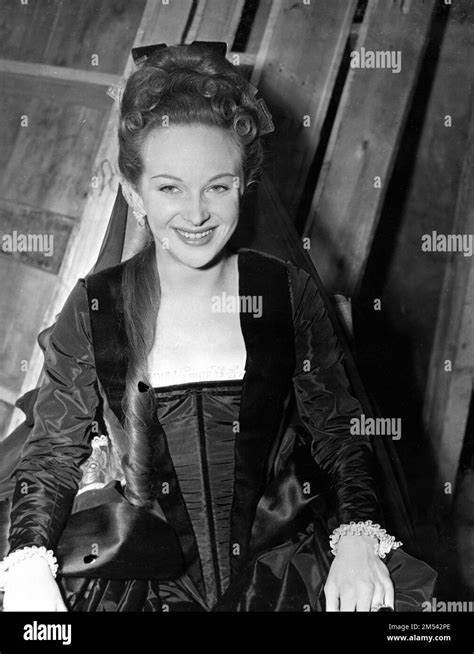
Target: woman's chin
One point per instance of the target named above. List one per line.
(195, 256)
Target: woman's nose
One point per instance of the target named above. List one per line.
(198, 213)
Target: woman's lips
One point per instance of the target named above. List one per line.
(195, 238)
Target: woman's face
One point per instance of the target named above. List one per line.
(190, 190)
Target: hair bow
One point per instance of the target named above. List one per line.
(144, 52)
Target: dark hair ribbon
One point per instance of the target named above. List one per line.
(144, 52)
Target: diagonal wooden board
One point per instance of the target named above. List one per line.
(296, 68)
(215, 20)
(450, 380)
(364, 140)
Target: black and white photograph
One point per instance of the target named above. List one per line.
(236, 323)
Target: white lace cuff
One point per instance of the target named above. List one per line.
(384, 544)
(26, 553)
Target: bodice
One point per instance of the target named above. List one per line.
(200, 422)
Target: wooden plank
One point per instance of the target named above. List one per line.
(159, 23)
(69, 33)
(61, 91)
(427, 204)
(44, 233)
(297, 83)
(8, 396)
(63, 85)
(163, 23)
(9, 125)
(19, 320)
(449, 388)
(92, 35)
(215, 20)
(6, 410)
(47, 166)
(365, 136)
(258, 27)
(25, 28)
(44, 71)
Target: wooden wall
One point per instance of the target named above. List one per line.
(50, 131)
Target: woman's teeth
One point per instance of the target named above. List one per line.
(193, 235)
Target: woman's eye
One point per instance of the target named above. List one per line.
(169, 189)
(219, 188)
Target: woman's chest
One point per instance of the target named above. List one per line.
(193, 342)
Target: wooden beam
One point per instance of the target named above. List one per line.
(271, 22)
(75, 75)
(163, 23)
(20, 219)
(296, 69)
(63, 92)
(348, 199)
(7, 395)
(259, 25)
(216, 20)
(450, 378)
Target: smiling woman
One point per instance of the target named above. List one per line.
(237, 501)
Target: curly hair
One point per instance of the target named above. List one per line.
(179, 85)
(184, 85)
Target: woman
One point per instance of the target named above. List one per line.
(198, 352)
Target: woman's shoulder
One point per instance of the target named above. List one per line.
(109, 273)
(297, 276)
(108, 280)
(272, 260)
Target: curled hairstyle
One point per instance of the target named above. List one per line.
(178, 85)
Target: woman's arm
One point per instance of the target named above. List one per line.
(48, 474)
(326, 406)
(358, 579)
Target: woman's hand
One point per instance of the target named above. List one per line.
(358, 580)
(30, 586)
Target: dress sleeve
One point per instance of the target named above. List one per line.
(326, 405)
(48, 473)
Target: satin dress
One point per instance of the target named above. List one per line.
(253, 475)
(200, 423)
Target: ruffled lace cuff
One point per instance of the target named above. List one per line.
(385, 542)
(26, 553)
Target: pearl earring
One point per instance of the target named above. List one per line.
(140, 218)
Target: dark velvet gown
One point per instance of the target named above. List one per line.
(253, 474)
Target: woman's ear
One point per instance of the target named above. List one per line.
(132, 197)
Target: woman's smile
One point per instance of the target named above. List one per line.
(195, 238)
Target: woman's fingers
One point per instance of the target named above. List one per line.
(332, 597)
(389, 594)
(378, 598)
(348, 598)
(364, 596)
(359, 597)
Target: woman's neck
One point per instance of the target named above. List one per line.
(176, 277)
